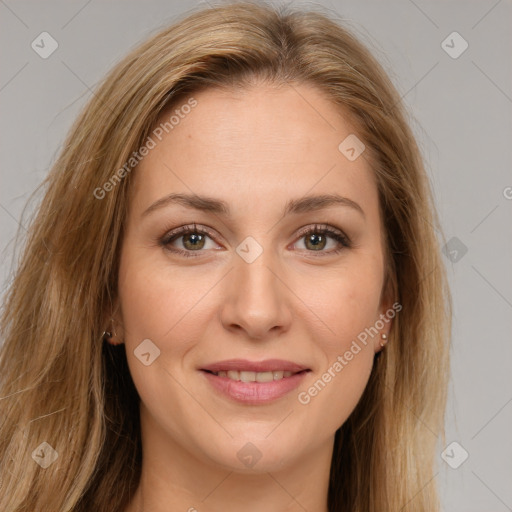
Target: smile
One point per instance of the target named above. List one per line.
(254, 382)
(246, 376)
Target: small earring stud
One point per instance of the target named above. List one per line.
(384, 338)
(109, 337)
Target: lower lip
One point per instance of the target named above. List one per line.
(253, 393)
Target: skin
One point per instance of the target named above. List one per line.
(255, 149)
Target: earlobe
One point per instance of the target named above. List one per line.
(114, 334)
(384, 325)
(111, 338)
(387, 313)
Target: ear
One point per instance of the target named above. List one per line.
(387, 311)
(115, 325)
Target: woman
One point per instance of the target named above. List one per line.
(231, 296)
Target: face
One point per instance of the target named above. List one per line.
(251, 265)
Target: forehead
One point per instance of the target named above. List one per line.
(263, 143)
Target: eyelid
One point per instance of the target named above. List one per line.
(342, 240)
(189, 228)
(331, 230)
(180, 231)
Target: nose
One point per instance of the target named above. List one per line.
(257, 300)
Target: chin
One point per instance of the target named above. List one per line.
(249, 455)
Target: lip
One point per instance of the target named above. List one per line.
(255, 366)
(254, 393)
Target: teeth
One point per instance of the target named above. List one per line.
(264, 377)
(248, 376)
(245, 376)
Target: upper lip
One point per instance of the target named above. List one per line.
(267, 365)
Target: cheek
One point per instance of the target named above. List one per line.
(348, 310)
(165, 307)
(155, 300)
(329, 399)
(346, 302)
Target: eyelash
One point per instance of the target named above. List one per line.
(318, 229)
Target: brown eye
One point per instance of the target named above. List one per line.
(323, 239)
(189, 240)
(193, 241)
(315, 241)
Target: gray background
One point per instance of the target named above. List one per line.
(462, 118)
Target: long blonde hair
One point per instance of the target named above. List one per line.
(62, 385)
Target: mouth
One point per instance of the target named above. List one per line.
(248, 376)
(253, 383)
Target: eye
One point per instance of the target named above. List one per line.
(188, 239)
(191, 240)
(319, 237)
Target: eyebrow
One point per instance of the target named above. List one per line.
(293, 206)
